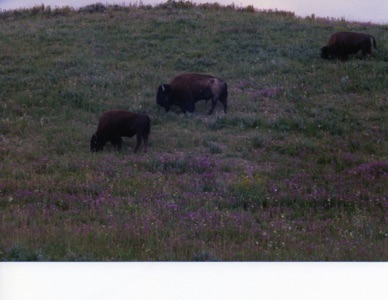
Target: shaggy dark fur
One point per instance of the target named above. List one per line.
(115, 124)
(341, 44)
(186, 89)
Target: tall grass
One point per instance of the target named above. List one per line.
(295, 171)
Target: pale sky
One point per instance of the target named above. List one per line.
(375, 11)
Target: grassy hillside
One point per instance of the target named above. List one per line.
(296, 170)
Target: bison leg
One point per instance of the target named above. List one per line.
(342, 55)
(117, 142)
(120, 143)
(224, 103)
(366, 50)
(138, 142)
(189, 106)
(214, 103)
(145, 139)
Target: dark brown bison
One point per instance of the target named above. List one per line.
(186, 89)
(117, 123)
(341, 44)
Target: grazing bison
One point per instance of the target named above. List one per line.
(341, 44)
(186, 89)
(117, 123)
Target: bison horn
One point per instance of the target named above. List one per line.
(163, 89)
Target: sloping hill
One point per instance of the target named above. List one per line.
(296, 170)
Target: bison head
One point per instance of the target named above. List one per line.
(325, 52)
(163, 96)
(95, 145)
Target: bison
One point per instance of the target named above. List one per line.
(186, 89)
(117, 123)
(341, 44)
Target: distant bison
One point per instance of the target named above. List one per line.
(117, 123)
(186, 89)
(341, 44)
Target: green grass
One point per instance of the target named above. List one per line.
(296, 170)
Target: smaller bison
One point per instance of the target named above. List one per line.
(117, 123)
(187, 89)
(341, 44)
